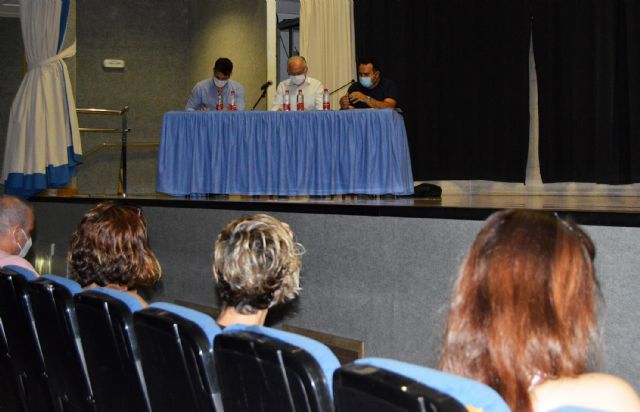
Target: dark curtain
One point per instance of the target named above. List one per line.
(462, 70)
(588, 66)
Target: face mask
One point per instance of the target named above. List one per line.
(27, 245)
(298, 79)
(365, 81)
(219, 83)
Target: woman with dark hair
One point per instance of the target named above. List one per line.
(109, 248)
(256, 265)
(523, 316)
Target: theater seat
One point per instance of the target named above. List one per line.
(23, 370)
(57, 325)
(376, 384)
(176, 347)
(105, 317)
(265, 369)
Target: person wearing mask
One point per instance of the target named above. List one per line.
(204, 95)
(371, 91)
(16, 224)
(256, 266)
(312, 89)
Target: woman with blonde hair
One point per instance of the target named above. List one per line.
(256, 265)
(109, 248)
(523, 316)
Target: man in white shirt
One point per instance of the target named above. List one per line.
(312, 89)
(16, 224)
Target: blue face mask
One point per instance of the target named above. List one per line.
(365, 81)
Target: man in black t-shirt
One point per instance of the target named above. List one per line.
(371, 90)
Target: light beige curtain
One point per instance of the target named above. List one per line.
(327, 42)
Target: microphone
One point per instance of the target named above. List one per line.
(267, 84)
(349, 83)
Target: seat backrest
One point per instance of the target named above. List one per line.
(377, 384)
(261, 368)
(55, 317)
(176, 348)
(23, 369)
(105, 318)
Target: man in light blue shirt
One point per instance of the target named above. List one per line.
(204, 95)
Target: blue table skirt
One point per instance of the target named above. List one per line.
(284, 153)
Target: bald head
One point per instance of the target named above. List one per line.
(296, 65)
(14, 212)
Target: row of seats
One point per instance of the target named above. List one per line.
(65, 349)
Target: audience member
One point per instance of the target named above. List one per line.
(16, 224)
(256, 265)
(371, 90)
(523, 316)
(311, 88)
(204, 95)
(109, 248)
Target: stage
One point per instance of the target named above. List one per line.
(376, 269)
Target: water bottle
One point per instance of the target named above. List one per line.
(219, 105)
(286, 105)
(300, 101)
(232, 105)
(326, 100)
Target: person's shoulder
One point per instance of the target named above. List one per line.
(235, 84)
(13, 260)
(202, 84)
(314, 82)
(592, 390)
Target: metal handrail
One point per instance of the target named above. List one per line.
(122, 172)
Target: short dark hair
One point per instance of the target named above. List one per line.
(369, 60)
(223, 65)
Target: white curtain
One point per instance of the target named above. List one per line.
(327, 42)
(43, 140)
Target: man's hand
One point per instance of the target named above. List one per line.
(358, 97)
(202, 108)
(344, 102)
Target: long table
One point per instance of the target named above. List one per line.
(284, 153)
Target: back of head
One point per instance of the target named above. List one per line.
(523, 308)
(256, 263)
(110, 247)
(13, 212)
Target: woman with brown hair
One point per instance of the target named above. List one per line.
(523, 316)
(109, 248)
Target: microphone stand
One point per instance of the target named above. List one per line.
(262, 96)
(349, 83)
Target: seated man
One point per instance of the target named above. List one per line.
(204, 95)
(312, 89)
(256, 265)
(16, 224)
(372, 90)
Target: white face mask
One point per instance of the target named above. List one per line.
(27, 245)
(219, 83)
(298, 79)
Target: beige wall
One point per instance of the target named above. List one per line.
(234, 29)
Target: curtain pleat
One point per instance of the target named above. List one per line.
(327, 42)
(43, 139)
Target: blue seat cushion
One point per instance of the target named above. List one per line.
(132, 303)
(71, 285)
(468, 392)
(205, 322)
(323, 355)
(26, 273)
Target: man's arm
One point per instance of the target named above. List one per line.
(387, 103)
(278, 99)
(194, 101)
(318, 96)
(240, 103)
